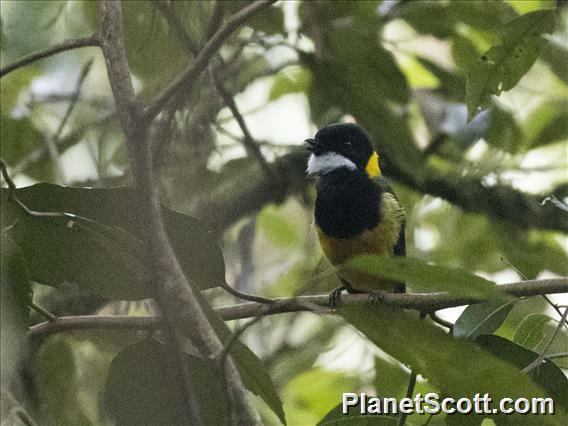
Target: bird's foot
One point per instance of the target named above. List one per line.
(377, 297)
(335, 297)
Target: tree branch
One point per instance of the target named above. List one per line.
(92, 40)
(421, 302)
(175, 295)
(248, 193)
(188, 78)
(159, 252)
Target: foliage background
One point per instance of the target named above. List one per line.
(398, 68)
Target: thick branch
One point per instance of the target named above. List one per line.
(248, 193)
(421, 302)
(176, 298)
(188, 78)
(92, 40)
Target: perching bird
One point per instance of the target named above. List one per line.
(356, 211)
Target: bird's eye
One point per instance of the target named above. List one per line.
(348, 144)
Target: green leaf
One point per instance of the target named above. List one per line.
(19, 138)
(269, 21)
(503, 65)
(292, 79)
(252, 370)
(278, 228)
(526, 6)
(104, 261)
(555, 55)
(548, 375)
(140, 390)
(195, 245)
(313, 393)
(57, 376)
(482, 318)
(355, 418)
(503, 132)
(531, 331)
(429, 18)
(391, 378)
(424, 276)
(15, 297)
(546, 125)
(456, 366)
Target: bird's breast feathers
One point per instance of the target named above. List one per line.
(379, 240)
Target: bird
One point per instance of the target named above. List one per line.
(356, 211)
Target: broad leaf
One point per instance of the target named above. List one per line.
(531, 331)
(555, 55)
(115, 208)
(355, 418)
(15, 296)
(547, 124)
(482, 318)
(548, 375)
(252, 370)
(292, 79)
(457, 366)
(140, 390)
(424, 276)
(503, 65)
(57, 376)
(101, 260)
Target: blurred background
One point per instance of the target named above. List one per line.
(231, 153)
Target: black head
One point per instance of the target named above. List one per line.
(346, 139)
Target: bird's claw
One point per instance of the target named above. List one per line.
(377, 297)
(335, 297)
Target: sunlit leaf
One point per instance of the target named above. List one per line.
(278, 228)
(423, 276)
(547, 124)
(503, 65)
(293, 79)
(355, 418)
(141, 390)
(531, 332)
(482, 318)
(309, 396)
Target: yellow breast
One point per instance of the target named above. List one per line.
(379, 240)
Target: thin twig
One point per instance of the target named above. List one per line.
(245, 296)
(185, 82)
(12, 197)
(74, 99)
(558, 355)
(418, 302)
(524, 277)
(441, 321)
(537, 362)
(42, 311)
(251, 146)
(92, 40)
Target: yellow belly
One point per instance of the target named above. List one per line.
(380, 241)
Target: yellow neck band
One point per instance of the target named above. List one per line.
(372, 168)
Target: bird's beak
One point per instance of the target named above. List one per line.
(314, 147)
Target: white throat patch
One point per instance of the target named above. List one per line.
(325, 163)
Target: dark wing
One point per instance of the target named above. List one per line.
(400, 247)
